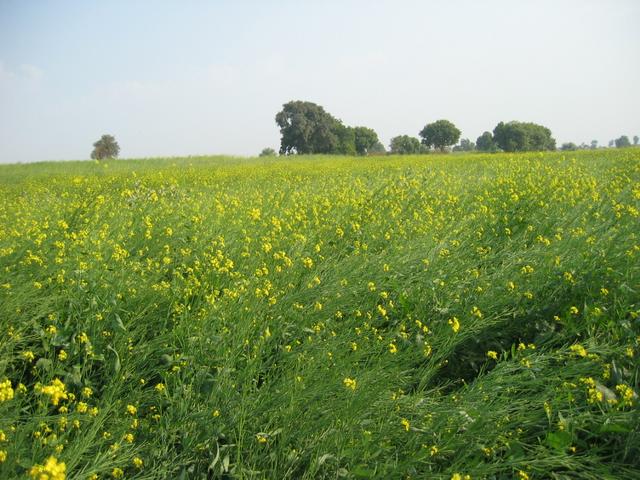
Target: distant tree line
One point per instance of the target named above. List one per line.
(306, 128)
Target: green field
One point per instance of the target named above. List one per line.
(454, 317)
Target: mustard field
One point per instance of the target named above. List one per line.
(443, 316)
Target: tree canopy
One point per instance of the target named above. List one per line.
(267, 152)
(405, 145)
(366, 140)
(106, 147)
(307, 128)
(485, 143)
(440, 134)
(622, 142)
(523, 136)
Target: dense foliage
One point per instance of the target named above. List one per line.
(401, 317)
(306, 128)
(523, 137)
(106, 147)
(440, 134)
(405, 145)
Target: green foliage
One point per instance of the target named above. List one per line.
(635, 139)
(485, 143)
(405, 145)
(466, 145)
(622, 142)
(268, 152)
(106, 147)
(569, 146)
(440, 134)
(306, 128)
(523, 137)
(416, 317)
(366, 141)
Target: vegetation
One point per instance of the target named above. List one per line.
(306, 128)
(405, 145)
(485, 143)
(424, 317)
(622, 142)
(523, 137)
(106, 147)
(440, 134)
(267, 152)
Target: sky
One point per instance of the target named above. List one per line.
(177, 78)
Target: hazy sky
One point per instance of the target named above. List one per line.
(186, 78)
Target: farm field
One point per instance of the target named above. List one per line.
(449, 317)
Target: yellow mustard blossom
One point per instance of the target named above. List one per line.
(493, 355)
(6, 391)
(349, 383)
(56, 390)
(137, 462)
(455, 324)
(131, 410)
(405, 424)
(50, 470)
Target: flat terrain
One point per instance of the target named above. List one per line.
(461, 316)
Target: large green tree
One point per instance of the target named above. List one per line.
(440, 134)
(405, 145)
(485, 143)
(307, 128)
(106, 147)
(366, 140)
(622, 142)
(523, 136)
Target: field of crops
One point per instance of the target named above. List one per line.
(454, 317)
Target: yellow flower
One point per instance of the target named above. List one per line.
(349, 383)
(578, 350)
(51, 470)
(28, 355)
(492, 354)
(393, 348)
(405, 423)
(3, 456)
(131, 410)
(160, 387)
(137, 462)
(62, 355)
(455, 324)
(117, 473)
(56, 390)
(261, 437)
(6, 391)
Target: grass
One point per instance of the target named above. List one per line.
(322, 317)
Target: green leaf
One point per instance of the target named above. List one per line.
(559, 440)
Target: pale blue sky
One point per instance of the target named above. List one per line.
(186, 77)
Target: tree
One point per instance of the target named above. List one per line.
(366, 139)
(307, 128)
(569, 146)
(106, 147)
(611, 143)
(594, 144)
(466, 145)
(439, 134)
(405, 145)
(636, 139)
(622, 142)
(523, 136)
(485, 143)
(377, 149)
(267, 152)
